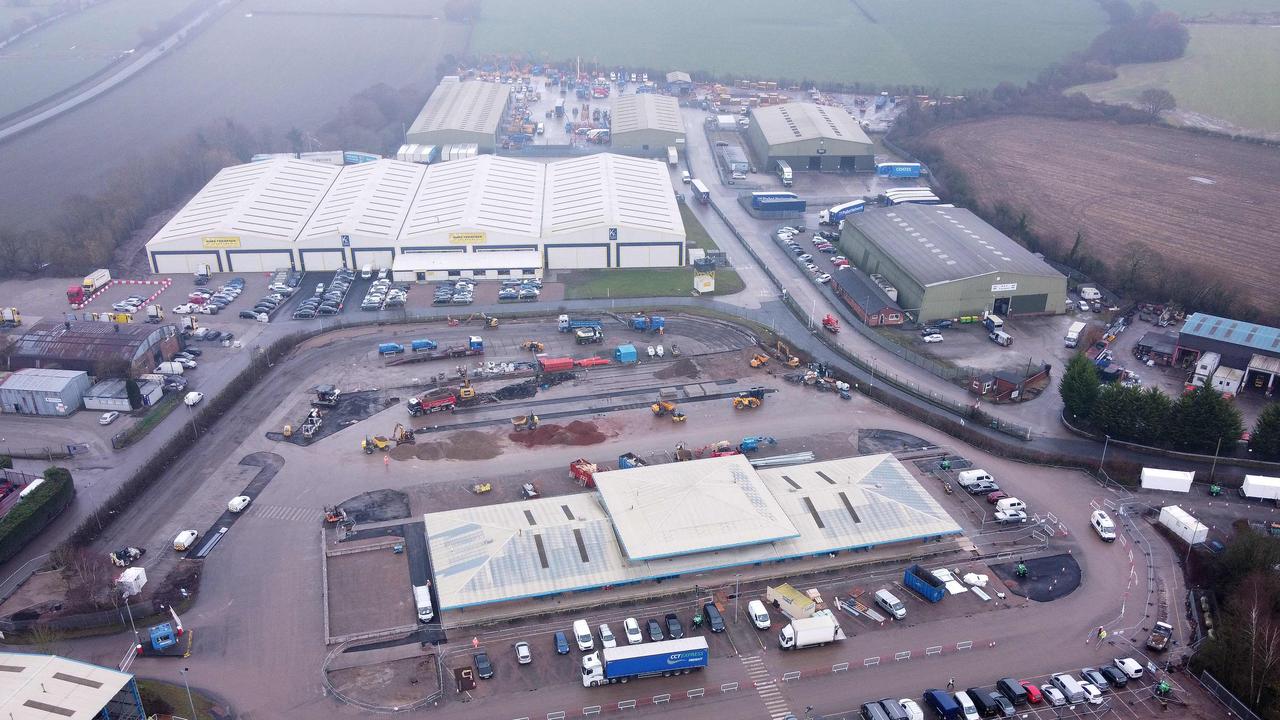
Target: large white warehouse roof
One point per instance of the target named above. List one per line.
(799, 121)
(272, 199)
(646, 111)
(610, 191)
(484, 192)
(471, 106)
(370, 199)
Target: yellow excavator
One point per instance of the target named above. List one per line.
(784, 354)
(466, 392)
(403, 435)
(533, 346)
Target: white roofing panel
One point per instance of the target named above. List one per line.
(484, 260)
(371, 199)
(607, 190)
(510, 551)
(472, 106)
(270, 199)
(645, 111)
(41, 379)
(664, 510)
(799, 121)
(39, 687)
(480, 193)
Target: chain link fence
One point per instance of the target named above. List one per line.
(1225, 696)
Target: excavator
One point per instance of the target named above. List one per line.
(784, 354)
(533, 346)
(403, 435)
(666, 407)
(749, 399)
(466, 393)
(759, 360)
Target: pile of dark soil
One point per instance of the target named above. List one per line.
(682, 368)
(461, 445)
(577, 432)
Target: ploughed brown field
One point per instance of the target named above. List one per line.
(1205, 204)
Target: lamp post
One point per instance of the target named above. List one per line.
(1103, 461)
(736, 594)
(183, 672)
(1214, 467)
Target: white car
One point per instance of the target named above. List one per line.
(524, 656)
(184, 362)
(1092, 693)
(239, 503)
(193, 397)
(934, 338)
(1052, 695)
(632, 628)
(1130, 667)
(822, 279)
(912, 709)
(806, 257)
(110, 417)
(185, 539)
(606, 637)
(183, 309)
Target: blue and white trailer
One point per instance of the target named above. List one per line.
(663, 658)
(899, 170)
(836, 213)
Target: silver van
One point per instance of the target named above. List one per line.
(1069, 687)
(973, 477)
(422, 600)
(891, 604)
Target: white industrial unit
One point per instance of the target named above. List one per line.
(1227, 380)
(1171, 480)
(1183, 525)
(1261, 487)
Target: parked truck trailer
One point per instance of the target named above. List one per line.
(663, 658)
(820, 629)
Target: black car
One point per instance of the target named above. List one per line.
(249, 314)
(655, 629)
(1095, 677)
(930, 330)
(484, 668)
(1006, 707)
(304, 314)
(715, 620)
(212, 335)
(327, 310)
(1115, 676)
(194, 352)
(674, 628)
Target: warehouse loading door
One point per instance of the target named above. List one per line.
(572, 258)
(378, 258)
(184, 264)
(259, 261)
(1000, 306)
(634, 256)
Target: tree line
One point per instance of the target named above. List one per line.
(88, 229)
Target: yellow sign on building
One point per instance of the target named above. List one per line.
(219, 243)
(467, 238)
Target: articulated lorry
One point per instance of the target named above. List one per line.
(784, 172)
(663, 658)
(836, 213)
(820, 629)
(567, 324)
(93, 282)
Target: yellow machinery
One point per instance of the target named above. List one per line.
(481, 488)
(525, 422)
(784, 354)
(532, 346)
(288, 431)
(466, 392)
(10, 317)
(489, 320)
(759, 360)
(377, 442)
(749, 399)
(403, 435)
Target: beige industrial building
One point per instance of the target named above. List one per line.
(598, 211)
(822, 138)
(461, 112)
(646, 124)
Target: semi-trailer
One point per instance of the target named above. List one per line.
(663, 658)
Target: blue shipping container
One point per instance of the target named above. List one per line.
(923, 582)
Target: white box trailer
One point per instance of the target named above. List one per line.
(1171, 480)
(1261, 487)
(1183, 525)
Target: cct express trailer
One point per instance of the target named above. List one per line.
(665, 658)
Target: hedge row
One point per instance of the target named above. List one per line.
(33, 513)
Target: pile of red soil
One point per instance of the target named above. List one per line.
(575, 433)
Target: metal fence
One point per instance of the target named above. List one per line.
(1226, 697)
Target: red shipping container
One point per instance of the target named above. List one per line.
(555, 364)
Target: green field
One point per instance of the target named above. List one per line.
(620, 283)
(952, 45)
(1220, 76)
(70, 50)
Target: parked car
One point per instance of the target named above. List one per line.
(193, 397)
(1092, 692)
(674, 628)
(934, 338)
(655, 629)
(1052, 695)
(562, 643)
(995, 497)
(484, 668)
(238, 503)
(1115, 676)
(1033, 693)
(1129, 667)
(632, 628)
(108, 417)
(524, 655)
(1095, 677)
(715, 621)
(606, 637)
(822, 278)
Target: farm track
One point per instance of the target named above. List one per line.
(1125, 185)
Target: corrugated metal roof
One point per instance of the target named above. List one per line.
(41, 379)
(797, 122)
(607, 190)
(488, 260)
(471, 106)
(86, 340)
(271, 199)
(679, 76)
(480, 193)
(370, 199)
(645, 111)
(1236, 332)
(869, 296)
(936, 245)
(39, 687)
(510, 551)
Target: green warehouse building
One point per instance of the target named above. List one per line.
(824, 138)
(945, 262)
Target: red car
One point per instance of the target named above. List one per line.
(996, 496)
(1033, 692)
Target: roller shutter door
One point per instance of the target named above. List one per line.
(377, 258)
(570, 258)
(185, 263)
(316, 260)
(631, 256)
(259, 261)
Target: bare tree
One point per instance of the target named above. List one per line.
(1261, 632)
(1156, 102)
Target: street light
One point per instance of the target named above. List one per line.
(1103, 461)
(183, 672)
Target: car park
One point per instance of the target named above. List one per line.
(484, 668)
(108, 417)
(524, 655)
(632, 629)
(655, 629)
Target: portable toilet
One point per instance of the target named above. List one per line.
(625, 354)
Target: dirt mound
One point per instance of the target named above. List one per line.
(402, 452)
(577, 432)
(462, 445)
(682, 368)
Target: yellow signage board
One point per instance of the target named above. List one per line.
(467, 238)
(219, 243)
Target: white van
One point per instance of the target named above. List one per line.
(685, 178)
(1011, 504)
(185, 540)
(1102, 525)
(366, 272)
(759, 615)
(966, 706)
(422, 600)
(891, 604)
(1069, 687)
(973, 477)
(582, 634)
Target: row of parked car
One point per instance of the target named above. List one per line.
(461, 292)
(823, 242)
(209, 302)
(527, 290)
(1009, 694)
(383, 295)
(327, 299)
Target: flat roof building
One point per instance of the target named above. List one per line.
(867, 300)
(87, 344)
(599, 211)
(37, 391)
(824, 138)
(40, 687)
(721, 513)
(1246, 346)
(113, 394)
(646, 123)
(946, 262)
(460, 111)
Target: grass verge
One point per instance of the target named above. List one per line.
(163, 698)
(695, 234)
(642, 283)
(154, 416)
